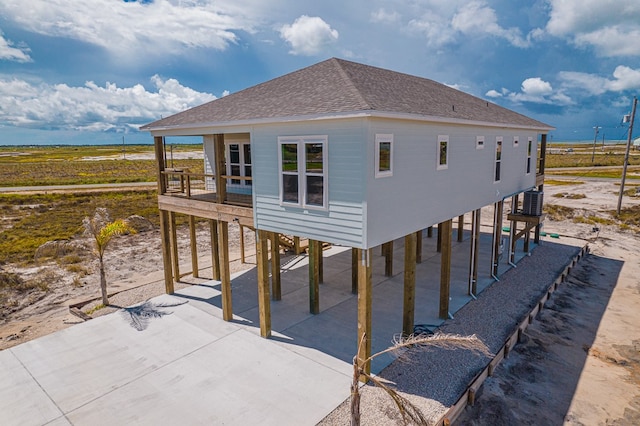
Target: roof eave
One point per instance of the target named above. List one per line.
(159, 130)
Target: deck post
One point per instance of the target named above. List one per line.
(173, 236)
(430, 232)
(264, 304)
(221, 183)
(497, 236)
(474, 246)
(275, 266)
(166, 251)
(320, 262)
(364, 309)
(165, 232)
(314, 277)
(225, 276)
(242, 258)
(408, 306)
(419, 246)
(296, 246)
(543, 155)
(215, 257)
(445, 268)
(354, 270)
(513, 228)
(387, 252)
(460, 228)
(195, 271)
(439, 241)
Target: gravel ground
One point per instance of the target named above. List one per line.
(434, 379)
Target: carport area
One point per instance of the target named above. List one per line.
(174, 360)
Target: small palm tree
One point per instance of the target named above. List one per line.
(408, 410)
(102, 229)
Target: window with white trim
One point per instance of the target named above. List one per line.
(303, 171)
(443, 152)
(479, 142)
(239, 163)
(529, 148)
(516, 141)
(498, 158)
(384, 155)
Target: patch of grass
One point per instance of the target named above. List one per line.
(611, 158)
(594, 220)
(556, 212)
(629, 216)
(559, 182)
(11, 281)
(70, 259)
(59, 217)
(95, 308)
(569, 196)
(77, 269)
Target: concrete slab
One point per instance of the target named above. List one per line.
(239, 380)
(174, 360)
(22, 400)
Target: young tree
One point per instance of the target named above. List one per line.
(407, 409)
(102, 229)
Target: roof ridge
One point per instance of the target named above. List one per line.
(349, 81)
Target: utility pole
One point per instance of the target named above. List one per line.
(595, 137)
(626, 155)
(124, 153)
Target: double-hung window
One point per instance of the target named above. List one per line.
(498, 158)
(303, 171)
(443, 152)
(384, 155)
(529, 147)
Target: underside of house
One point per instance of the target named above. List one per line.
(351, 155)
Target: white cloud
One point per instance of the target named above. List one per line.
(536, 87)
(443, 22)
(93, 107)
(308, 35)
(127, 28)
(612, 28)
(382, 16)
(476, 18)
(534, 90)
(434, 27)
(624, 78)
(612, 41)
(10, 53)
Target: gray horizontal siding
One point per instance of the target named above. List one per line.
(342, 222)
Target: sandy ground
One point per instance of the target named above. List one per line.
(130, 261)
(579, 364)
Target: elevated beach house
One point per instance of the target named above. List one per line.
(352, 155)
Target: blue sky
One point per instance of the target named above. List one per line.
(94, 71)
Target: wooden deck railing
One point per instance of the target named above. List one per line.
(202, 186)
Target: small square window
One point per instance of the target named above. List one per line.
(443, 152)
(384, 156)
(479, 142)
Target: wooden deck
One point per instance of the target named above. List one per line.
(204, 205)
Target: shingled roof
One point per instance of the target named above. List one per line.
(339, 87)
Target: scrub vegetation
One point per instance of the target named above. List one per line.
(30, 220)
(73, 165)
